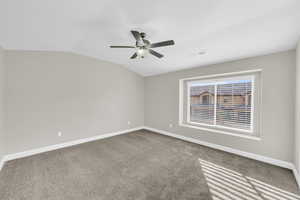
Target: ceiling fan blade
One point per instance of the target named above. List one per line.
(122, 47)
(133, 56)
(155, 53)
(136, 35)
(162, 44)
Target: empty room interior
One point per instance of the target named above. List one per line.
(149, 100)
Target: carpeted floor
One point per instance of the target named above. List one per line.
(143, 165)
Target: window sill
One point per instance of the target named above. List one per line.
(220, 131)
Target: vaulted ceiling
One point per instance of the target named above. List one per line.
(224, 30)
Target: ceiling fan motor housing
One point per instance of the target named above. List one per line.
(141, 43)
(143, 35)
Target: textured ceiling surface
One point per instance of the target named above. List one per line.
(225, 30)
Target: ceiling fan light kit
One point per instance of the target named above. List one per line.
(144, 47)
(142, 52)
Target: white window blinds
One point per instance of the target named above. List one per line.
(224, 103)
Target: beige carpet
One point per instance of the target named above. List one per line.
(143, 165)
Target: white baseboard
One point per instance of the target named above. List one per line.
(265, 159)
(1, 163)
(296, 174)
(63, 145)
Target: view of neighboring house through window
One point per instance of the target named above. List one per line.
(202, 104)
(222, 103)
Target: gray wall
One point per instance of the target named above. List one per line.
(297, 111)
(277, 135)
(2, 82)
(80, 96)
(47, 92)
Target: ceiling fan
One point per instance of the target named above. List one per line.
(144, 46)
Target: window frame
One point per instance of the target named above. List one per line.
(184, 104)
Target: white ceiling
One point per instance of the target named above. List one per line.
(225, 29)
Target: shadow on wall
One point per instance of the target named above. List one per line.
(226, 184)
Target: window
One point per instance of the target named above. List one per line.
(205, 99)
(226, 99)
(249, 99)
(224, 103)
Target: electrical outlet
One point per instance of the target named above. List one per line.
(128, 122)
(59, 134)
(170, 125)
